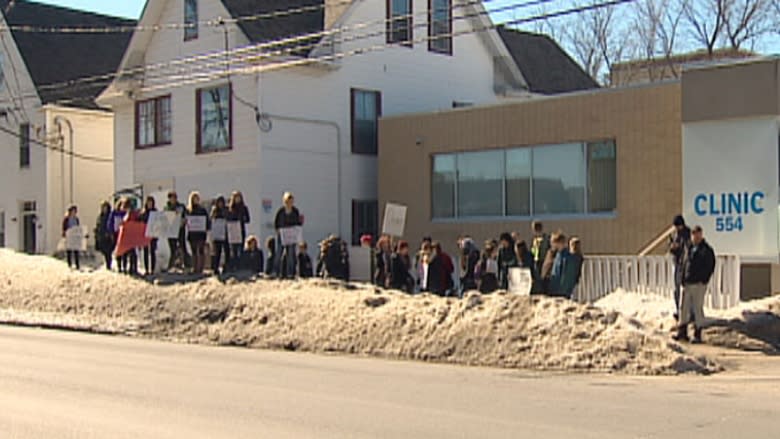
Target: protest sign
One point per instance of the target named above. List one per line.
(219, 229)
(132, 235)
(74, 239)
(520, 281)
(197, 223)
(291, 235)
(395, 220)
(163, 225)
(234, 233)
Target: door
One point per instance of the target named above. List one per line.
(29, 227)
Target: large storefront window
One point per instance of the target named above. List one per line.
(546, 180)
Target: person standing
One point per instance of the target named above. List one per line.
(469, 258)
(150, 251)
(698, 266)
(177, 246)
(219, 218)
(197, 218)
(115, 224)
(566, 270)
(237, 211)
(679, 240)
(435, 279)
(104, 236)
(400, 269)
(507, 259)
(540, 246)
(70, 221)
(131, 257)
(487, 269)
(287, 216)
(270, 267)
(551, 283)
(382, 262)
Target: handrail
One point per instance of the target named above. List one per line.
(656, 242)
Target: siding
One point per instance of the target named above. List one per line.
(645, 122)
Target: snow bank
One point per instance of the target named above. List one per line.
(497, 330)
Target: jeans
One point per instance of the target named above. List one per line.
(286, 268)
(73, 257)
(220, 247)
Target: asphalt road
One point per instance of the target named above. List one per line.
(67, 385)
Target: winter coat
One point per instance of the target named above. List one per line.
(435, 279)
(547, 265)
(146, 214)
(539, 248)
(104, 237)
(469, 261)
(487, 273)
(284, 220)
(400, 278)
(305, 266)
(565, 273)
(382, 269)
(507, 258)
(698, 263)
(682, 239)
(199, 236)
(252, 260)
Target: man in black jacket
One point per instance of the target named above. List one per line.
(679, 241)
(698, 266)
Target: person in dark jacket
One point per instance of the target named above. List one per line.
(178, 246)
(507, 258)
(540, 245)
(698, 266)
(382, 262)
(252, 258)
(115, 224)
(566, 270)
(104, 236)
(270, 246)
(549, 285)
(679, 241)
(70, 221)
(525, 259)
(196, 235)
(436, 283)
(334, 259)
(305, 266)
(150, 252)
(469, 258)
(487, 269)
(287, 216)
(400, 269)
(237, 211)
(219, 216)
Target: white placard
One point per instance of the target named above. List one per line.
(219, 229)
(163, 225)
(234, 233)
(735, 206)
(360, 264)
(291, 235)
(520, 281)
(197, 223)
(395, 220)
(74, 239)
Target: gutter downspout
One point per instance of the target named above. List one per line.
(323, 122)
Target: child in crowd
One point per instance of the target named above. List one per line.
(305, 265)
(270, 246)
(487, 269)
(196, 217)
(252, 258)
(218, 217)
(150, 252)
(70, 221)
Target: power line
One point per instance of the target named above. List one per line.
(59, 149)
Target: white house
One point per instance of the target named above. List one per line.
(57, 144)
(302, 117)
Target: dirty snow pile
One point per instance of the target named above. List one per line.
(751, 326)
(317, 316)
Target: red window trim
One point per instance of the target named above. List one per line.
(389, 24)
(352, 93)
(431, 47)
(157, 122)
(198, 146)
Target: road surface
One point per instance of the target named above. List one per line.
(68, 385)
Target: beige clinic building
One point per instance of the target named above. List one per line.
(612, 166)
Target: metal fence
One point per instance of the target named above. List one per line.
(602, 275)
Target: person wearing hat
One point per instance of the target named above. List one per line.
(679, 240)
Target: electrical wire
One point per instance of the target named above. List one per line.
(59, 149)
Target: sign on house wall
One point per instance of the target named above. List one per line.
(730, 184)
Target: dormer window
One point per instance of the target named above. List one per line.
(190, 19)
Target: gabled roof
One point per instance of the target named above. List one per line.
(261, 31)
(547, 68)
(52, 58)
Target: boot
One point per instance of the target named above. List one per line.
(682, 334)
(697, 335)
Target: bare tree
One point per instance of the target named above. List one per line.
(746, 21)
(706, 19)
(657, 24)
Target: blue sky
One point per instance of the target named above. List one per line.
(119, 8)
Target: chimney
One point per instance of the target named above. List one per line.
(334, 9)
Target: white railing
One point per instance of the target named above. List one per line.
(602, 275)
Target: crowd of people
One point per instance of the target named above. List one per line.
(555, 264)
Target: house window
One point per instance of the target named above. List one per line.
(365, 219)
(565, 179)
(399, 22)
(153, 121)
(2, 229)
(366, 109)
(440, 26)
(24, 145)
(215, 119)
(190, 19)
